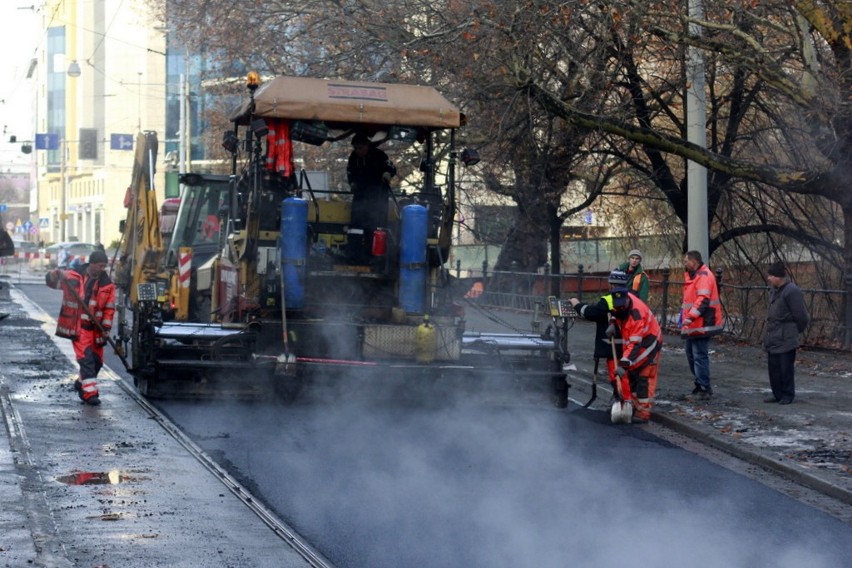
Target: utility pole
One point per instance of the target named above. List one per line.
(182, 126)
(696, 132)
(139, 104)
(63, 168)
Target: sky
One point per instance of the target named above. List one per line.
(19, 39)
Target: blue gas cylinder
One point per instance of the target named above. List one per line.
(412, 258)
(294, 249)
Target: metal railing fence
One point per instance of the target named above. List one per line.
(744, 306)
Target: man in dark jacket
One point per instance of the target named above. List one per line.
(599, 313)
(7, 245)
(786, 318)
(7, 248)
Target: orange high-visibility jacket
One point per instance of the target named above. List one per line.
(701, 303)
(100, 292)
(641, 335)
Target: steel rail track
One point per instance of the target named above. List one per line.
(279, 527)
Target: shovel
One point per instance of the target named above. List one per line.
(622, 411)
(594, 384)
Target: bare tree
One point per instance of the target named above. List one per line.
(779, 119)
(468, 50)
(537, 77)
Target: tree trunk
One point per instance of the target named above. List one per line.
(847, 272)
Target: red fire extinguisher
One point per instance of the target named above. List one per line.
(380, 242)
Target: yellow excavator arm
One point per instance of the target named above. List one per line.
(141, 247)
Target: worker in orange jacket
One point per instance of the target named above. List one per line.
(700, 319)
(642, 342)
(86, 316)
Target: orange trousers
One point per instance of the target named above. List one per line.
(638, 386)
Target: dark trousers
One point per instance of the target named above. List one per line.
(782, 377)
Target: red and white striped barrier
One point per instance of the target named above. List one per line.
(27, 256)
(184, 269)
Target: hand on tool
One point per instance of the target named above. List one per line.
(611, 331)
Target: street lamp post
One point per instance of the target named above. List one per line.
(63, 197)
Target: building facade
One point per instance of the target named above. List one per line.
(99, 78)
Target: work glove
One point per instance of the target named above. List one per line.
(100, 340)
(611, 331)
(386, 177)
(625, 362)
(621, 372)
(686, 322)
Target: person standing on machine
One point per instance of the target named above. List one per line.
(368, 172)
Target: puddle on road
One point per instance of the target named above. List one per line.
(93, 478)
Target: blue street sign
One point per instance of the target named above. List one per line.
(120, 141)
(47, 141)
(27, 225)
(2, 207)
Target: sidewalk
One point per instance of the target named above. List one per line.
(76, 493)
(809, 441)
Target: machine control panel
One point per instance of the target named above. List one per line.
(561, 308)
(147, 292)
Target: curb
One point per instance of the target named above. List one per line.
(785, 468)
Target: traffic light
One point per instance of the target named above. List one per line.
(88, 144)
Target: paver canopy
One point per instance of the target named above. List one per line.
(303, 98)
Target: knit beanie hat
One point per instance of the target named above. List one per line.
(777, 269)
(635, 252)
(98, 256)
(618, 278)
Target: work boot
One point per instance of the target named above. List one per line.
(93, 400)
(78, 386)
(702, 393)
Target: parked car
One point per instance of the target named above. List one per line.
(62, 254)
